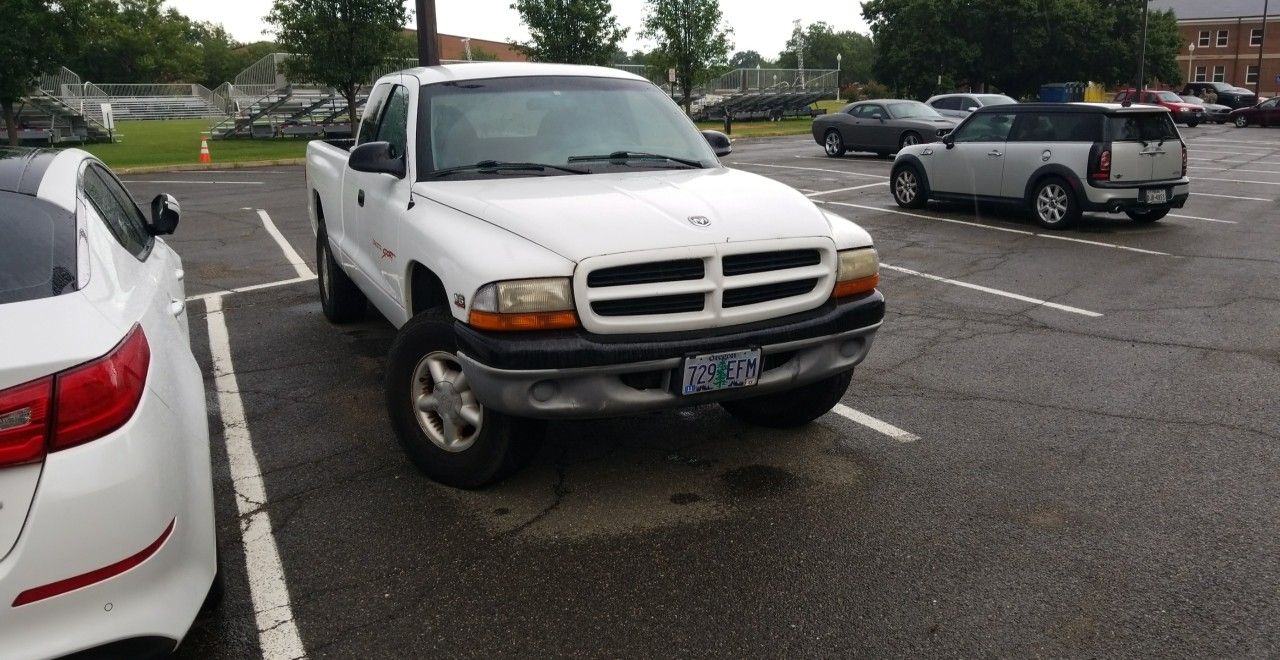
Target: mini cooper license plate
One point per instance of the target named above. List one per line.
(1160, 196)
(721, 371)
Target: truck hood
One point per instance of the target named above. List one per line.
(580, 216)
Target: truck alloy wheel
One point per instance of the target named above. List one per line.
(443, 428)
(448, 412)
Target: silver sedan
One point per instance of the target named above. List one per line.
(882, 126)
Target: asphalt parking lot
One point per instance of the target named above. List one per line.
(1062, 444)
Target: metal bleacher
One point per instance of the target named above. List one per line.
(52, 114)
(753, 93)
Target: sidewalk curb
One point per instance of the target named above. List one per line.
(197, 167)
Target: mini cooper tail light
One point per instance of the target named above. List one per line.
(1100, 163)
(24, 421)
(98, 397)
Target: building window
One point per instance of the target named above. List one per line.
(1201, 75)
(1255, 37)
(1219, 73)
(1251, 75)
(1222, 38)
(1204, 38)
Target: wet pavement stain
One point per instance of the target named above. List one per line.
(759, 481)
(684, 498)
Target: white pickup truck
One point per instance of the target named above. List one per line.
(560, 242)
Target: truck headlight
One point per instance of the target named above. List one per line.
(538, 304)
(858, 272)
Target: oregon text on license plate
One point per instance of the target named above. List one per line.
(1157, 196)
(721, 371)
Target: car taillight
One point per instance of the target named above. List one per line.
(1100, 164)
(75, 406)
(24, 421)
(98, 397)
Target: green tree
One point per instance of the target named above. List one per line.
(746, 59)
(138, 41)
(690, 38)
(340, 43)
(821, 46)
(35, 37)
(570, 31)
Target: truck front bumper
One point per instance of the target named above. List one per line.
(578, 375)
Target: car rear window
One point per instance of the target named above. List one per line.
(1057, 127)
(37, 251)
(1141, 127)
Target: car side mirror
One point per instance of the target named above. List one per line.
(973, 109)
(719, 142)
(949, 140)
(377, 158)
(878, 116)
(164, 215)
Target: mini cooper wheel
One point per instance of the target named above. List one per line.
(908, 188)
(443, 428)
(340, 299)
(1054, 204)
(1241, 121)
(833, 144)
(909, 138)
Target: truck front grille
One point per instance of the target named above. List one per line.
(707, 286)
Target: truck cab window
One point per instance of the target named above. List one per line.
(394, 126)
(372, 111)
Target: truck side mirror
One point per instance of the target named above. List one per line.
(377, 158)
(719, 142)
(164, 215)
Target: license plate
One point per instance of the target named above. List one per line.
(1157, 196)
(721, 371)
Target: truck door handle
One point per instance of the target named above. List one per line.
(994, 153)
(360, 198)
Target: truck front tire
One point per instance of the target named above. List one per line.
(340, 298)
(443, 429)
(792, 408)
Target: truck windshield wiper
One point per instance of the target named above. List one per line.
(623, 156)
(497, 165)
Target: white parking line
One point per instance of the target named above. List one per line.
(1259, 142)
(874, 424)
(290, 254)
(197, 183)
(1233, 169)
(277, 632)
(1192, 217)
(1251, 199)
(1261, 183)
(811, 169)
(994, 292)
(840, 190)
(251, 287)
(1055, 237)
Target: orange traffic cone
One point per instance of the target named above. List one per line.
(204, 151)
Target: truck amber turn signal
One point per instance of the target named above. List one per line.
(523, 305)
(858, 273)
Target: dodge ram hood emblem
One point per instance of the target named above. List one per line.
(700, 221)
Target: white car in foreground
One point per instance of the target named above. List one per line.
(106, 499)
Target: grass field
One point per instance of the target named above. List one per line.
(798, 126)
(177, 142)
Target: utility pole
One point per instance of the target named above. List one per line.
(1142, 57)
(1262, 47)
(428, 38)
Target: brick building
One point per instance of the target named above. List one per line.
(453, 47)
(1228, 37)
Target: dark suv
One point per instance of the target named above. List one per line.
(1228, 95)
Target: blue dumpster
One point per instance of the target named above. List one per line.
(1055, 93)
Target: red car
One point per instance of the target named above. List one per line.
(1266, 113)
(1183, 113)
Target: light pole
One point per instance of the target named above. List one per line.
(428, 38)
(839, 59)
(1142, 56)
(1191, 63)
(1262, 47)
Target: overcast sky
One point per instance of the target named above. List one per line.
(757, 24)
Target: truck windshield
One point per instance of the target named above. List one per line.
(582, 123)
(37, 251)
